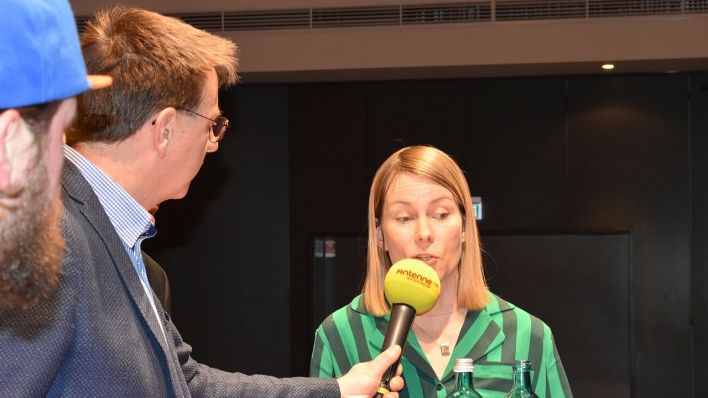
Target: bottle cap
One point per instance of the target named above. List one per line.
(463, 365)
(523, 364)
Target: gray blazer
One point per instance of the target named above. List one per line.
(97, 335)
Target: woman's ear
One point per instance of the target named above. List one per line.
(379, 237)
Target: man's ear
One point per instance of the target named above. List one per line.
(162, 129)
(10, 122)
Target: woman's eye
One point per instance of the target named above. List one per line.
(441, 216)
(404, 219)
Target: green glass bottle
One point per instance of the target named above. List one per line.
(464, 368)
(522, 381)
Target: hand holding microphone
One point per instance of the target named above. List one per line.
(363, 379)
(411, 287)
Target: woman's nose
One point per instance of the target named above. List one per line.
(424, 231)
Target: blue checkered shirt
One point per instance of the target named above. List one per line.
(130, 220)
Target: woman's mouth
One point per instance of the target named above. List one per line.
(426, 258)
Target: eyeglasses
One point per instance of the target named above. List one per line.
(218, 126)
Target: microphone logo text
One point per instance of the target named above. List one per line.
(415, 276)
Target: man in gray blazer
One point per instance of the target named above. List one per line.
(102, 332)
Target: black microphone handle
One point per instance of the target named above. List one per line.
(398, 326)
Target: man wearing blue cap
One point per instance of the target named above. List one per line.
(41, 70)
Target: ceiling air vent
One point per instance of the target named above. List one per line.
(444, 13)
(695, 6)
(255, 20)
(202, 20)
(360, 16)
(619, 8)
(524, 10)
(447, 13)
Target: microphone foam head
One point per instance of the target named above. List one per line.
(412, 282)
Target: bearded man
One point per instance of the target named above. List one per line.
(41, 70)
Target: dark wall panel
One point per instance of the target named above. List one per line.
(568, 281)
(516, 158)
(629, 168)
(699, 241)
(415, 113)
(225, 246)
(329, 186)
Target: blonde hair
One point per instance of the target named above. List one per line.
(438, 167)
(155, 61)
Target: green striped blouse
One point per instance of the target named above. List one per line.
(493, 337)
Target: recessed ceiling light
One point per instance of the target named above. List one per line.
(608, 66)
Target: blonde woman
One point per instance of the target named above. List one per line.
(420, 207)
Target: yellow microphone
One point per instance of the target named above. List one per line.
(411, 287)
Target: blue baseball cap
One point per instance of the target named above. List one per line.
(40, 55)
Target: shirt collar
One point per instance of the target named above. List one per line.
(128, 217)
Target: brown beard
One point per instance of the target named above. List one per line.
(31, 244)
